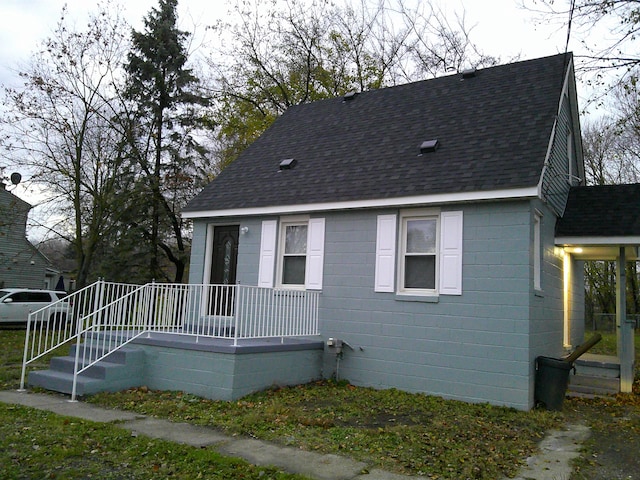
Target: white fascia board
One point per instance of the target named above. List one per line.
(586, 241)
(516, 193)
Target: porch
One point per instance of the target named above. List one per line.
(602, 223)
(217, 341)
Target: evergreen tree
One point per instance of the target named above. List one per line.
(166, 111)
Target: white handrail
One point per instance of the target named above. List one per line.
(107, 316)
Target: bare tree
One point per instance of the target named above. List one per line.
(279, 55)
(59, 125)
(615, 50)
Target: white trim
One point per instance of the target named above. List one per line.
(537, 251)
(516, 193)
(405, 217)
(282, 241)
(450, 251)
(587, 241)
(267, 253)
(385, 270)
(208, 254)
(315, 254)
(567, 279)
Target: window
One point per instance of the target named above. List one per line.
(418, 257)
(297, 251)
(294, 256)
(428, 256)
(537, 252)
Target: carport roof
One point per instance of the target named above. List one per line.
(601, 215)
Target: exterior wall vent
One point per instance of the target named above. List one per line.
(468, 73)
(288, 164)
(349, 96)
(429, 146)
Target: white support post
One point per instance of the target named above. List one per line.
(625, 331)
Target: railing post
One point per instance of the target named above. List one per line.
(24, 357)
(75, 369)
(236, 315)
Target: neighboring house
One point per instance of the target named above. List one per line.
(21, 264)
(425, 214)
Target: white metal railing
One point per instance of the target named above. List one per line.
(105, 316)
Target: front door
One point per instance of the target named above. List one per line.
(223, 268)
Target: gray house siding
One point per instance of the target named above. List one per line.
(472, 347)
(21, 265)
(561, 171)
(547, 304)
(547, 312)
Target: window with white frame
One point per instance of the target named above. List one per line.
(292, 253)
(418, 254)
(537, 251)
(293, 260)
(428, 258)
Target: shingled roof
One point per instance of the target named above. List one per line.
(493, 130)
(611, 211)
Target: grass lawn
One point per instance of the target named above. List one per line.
(407, 433)
(608, 344)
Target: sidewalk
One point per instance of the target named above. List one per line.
(553, 462)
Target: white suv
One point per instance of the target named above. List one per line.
(17, 303)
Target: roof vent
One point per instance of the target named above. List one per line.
(288, 164)
(469, 73)
(349, 96)
(429, 146)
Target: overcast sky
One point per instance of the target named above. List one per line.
(499, 28)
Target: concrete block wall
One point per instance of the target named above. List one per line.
(227, 374)
(547, 305)
(475, 347)
(472, 347)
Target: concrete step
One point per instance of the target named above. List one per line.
(120, 370)
(594, 385)
(104, 369)
(596, 375)
(124, 355)
(63, 382)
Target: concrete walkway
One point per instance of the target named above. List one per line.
(553, 462)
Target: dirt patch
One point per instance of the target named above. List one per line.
(613, 450)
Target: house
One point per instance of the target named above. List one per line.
(425, 214)
(21, 264)
(428, 237)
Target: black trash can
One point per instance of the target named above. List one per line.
(552, 379)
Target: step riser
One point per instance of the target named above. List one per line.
(120, 370)
(597, 385)
(123, 355)
(613, 372)
(63, 383)
(595, 382)
(103, 370)
(581, 389)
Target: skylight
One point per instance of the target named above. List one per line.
(469, 73)
(288, 163)
(429, 146)
(349, 96)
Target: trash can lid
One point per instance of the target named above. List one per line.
(554, 362)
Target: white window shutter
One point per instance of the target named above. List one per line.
(450, 253)
(385, 253)
(267, 253)
(315, 254)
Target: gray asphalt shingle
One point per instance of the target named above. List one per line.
(601, 211)
(493, 132)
